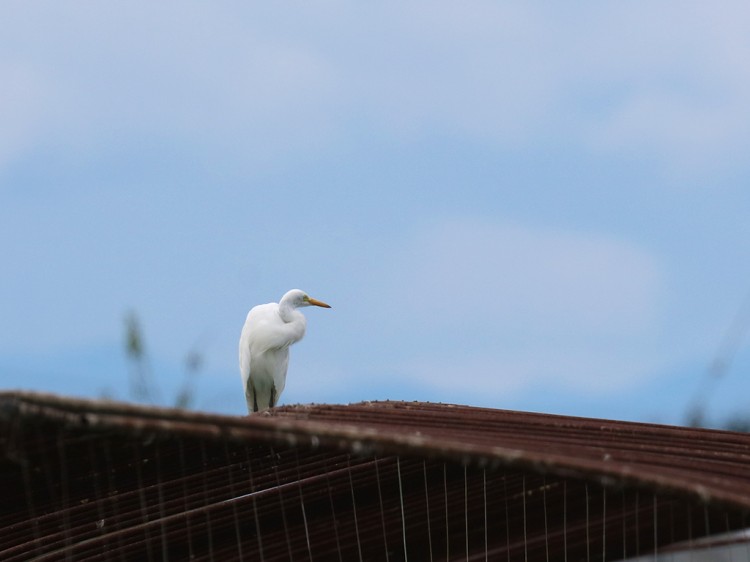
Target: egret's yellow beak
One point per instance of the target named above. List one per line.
(316, 302)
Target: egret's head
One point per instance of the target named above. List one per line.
(297, 299)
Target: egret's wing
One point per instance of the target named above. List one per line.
(279, 375)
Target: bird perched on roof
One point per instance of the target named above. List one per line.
(268, 332)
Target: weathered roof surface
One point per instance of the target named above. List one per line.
(710, 464)
(371, 481)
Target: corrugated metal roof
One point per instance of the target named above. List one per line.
(373, 481)
(707, 463)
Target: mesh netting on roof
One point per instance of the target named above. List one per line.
(374, 481)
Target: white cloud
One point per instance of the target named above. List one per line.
(530, 275)
(503, 307)
(180, 73)
(440, 67)
(672, 86)
(665, 82)
(661, 83)
(22, 108)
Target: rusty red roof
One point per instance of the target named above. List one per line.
(372, 481)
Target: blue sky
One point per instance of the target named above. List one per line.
(512, 205)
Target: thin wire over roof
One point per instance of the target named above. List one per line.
(710, 464)
(372, 481)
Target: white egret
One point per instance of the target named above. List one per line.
(268, 332)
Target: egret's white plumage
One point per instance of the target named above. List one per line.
(268, 332)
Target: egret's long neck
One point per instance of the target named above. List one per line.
(294, 321)
(287, 312)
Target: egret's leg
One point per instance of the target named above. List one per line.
(272, 403)
(255, 398)
(249, 397)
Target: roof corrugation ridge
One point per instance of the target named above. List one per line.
(710, 464)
